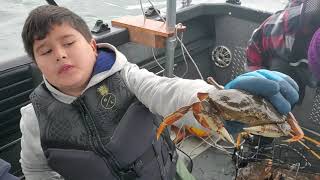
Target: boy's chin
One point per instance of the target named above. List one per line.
(72, 86)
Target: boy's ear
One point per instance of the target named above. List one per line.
(93, 44)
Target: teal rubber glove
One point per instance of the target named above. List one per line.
(280, 89)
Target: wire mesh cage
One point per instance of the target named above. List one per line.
(265, 158)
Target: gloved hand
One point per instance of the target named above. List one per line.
(278, 88)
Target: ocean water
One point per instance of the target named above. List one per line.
(14, 12)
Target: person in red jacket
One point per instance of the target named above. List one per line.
(281, 42)
(314, 54)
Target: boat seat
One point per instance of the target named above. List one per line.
(16, 84)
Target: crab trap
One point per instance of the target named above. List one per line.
(267, 158)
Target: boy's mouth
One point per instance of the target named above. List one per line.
(65, 68)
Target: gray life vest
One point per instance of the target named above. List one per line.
(103, 134)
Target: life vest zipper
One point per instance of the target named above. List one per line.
(95, 140)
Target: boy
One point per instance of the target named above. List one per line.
(86, 120)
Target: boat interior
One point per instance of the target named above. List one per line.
(213, 32)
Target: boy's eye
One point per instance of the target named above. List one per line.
(46, 52)
(69, 43)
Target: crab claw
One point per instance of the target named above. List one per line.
(215, 125)
(211, 122)
(225, 135)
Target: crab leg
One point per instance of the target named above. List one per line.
(312, 140)
(299, 134)
(268, 130)
(211, 81)
(172, 118)
(239, 138)
(274, 130)
(310, 150)
(180, 133)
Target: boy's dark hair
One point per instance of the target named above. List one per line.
(41, 19)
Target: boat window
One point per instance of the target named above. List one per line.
(14, 12)
(269, 5)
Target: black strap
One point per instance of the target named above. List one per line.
(135, 169)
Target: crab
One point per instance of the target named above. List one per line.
(237, 105)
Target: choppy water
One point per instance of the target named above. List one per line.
(14, 12)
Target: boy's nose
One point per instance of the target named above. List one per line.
(60, 58)
(60, 54)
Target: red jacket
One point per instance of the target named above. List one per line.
(284, 35)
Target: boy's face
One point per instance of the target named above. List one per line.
(65, 58)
